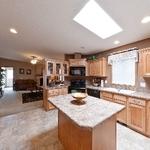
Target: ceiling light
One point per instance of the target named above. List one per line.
(14, 31)
(145, 19)
(95, 19)
(33, 60)
(116, 42)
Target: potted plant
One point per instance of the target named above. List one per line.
(2, 75)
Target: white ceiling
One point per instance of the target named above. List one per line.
(46, 27)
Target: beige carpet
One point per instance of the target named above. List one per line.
(37, 130)
(11, 103)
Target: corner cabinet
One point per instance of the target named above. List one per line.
(97, 67)
(137, 114)
(144, 62)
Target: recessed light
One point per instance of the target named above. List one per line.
(95, 19)
(116, 42)
(145, 19)
(12, 30)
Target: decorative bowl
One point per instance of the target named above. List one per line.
(79, 96)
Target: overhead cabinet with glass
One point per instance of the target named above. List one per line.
(54, 67)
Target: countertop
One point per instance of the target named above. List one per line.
(141, 95)
(94, 112)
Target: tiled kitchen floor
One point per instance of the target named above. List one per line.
(37, 130)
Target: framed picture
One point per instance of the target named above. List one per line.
(28, 71)
(21, 70)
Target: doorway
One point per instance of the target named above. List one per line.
(8, 77)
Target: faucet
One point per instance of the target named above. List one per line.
(119, 87)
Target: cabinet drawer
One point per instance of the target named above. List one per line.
(107, 94)
(120, 98)
(137, 101)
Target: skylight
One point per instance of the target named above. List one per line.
(95, 19)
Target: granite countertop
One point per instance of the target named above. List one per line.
(94, 112)
(142, 95)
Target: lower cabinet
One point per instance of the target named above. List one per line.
(107, 96)
(148, 120)
(137, 114)
(49, 93)
(121, 116)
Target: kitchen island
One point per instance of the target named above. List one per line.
(91, 126)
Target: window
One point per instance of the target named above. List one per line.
(124, 67)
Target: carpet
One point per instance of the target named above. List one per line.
(31, 97)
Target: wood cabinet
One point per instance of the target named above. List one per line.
(144, 62)
(77, 62)
(65, 68)
(48, 93)
(49, 67)
(122, 116)
(97, 67)
(55, 67)
(107, 96)
(58, 68)
(148, 120)
(136, 114)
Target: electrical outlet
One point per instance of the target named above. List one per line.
(142, 84)
(105, 81)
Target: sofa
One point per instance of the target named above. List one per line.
(24, 84)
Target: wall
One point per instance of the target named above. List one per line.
(16, 65)
(140, 44)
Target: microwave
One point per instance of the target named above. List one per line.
(77, 71)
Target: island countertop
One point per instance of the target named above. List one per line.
(89, 115)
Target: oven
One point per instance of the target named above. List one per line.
(77, 85)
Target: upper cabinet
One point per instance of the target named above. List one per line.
(58, 68)
(97, 67)
(144, 62)
(54, 67)
(77, 62)
(50, 67)
(65, 68)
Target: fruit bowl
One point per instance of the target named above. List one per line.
(79, 96)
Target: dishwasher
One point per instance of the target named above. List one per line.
(93, 92)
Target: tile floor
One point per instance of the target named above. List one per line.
(11, 103)
(37, 130)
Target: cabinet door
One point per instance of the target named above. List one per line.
(136, 117)
(148, 120)
(50, 67)
(58, 68)
(65, 68)
(147, 63)
(122, 116)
